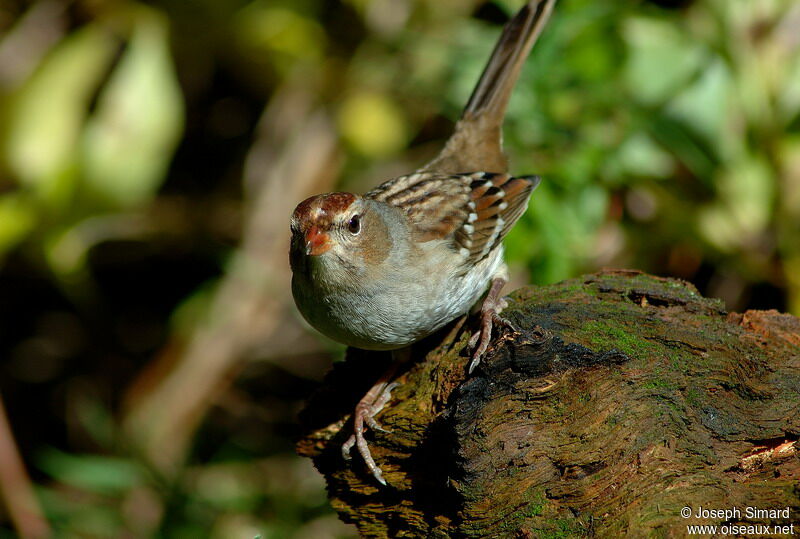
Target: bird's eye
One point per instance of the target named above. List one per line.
(354, 224)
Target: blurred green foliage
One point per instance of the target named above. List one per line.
(668, 135)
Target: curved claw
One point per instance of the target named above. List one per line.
(374, 425)
(363, 417)
(347, 446)
(492, 306)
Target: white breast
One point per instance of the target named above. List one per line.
(402, 306)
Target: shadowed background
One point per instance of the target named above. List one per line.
(151, 359)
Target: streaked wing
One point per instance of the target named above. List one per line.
(474, 210)
(437, 205)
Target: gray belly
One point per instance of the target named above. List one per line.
(395, 312)
(383, 318)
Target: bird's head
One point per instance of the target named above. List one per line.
(337, 230)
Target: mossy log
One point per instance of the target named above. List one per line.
(617, 400)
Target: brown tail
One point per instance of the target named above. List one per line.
(476, 144)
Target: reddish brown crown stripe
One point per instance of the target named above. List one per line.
(334, 203)
(321, 209)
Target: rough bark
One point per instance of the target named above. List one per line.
(619, 399)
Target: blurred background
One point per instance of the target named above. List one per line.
(151, 360)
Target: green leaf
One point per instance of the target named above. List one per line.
(640, 156)
(95, 473)
(742, 212)
(18, 216)
(47, 114)
(705, 105)
(373, 124)
(66, 247)
(282, 36)
(661, 59)
(130, 141)
(789, 98)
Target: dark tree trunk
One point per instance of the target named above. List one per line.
(620, 399)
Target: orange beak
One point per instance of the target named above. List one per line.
(317, 242)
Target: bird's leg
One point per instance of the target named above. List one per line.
(492, 305)
(366, 409)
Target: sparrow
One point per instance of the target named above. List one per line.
(383, 270)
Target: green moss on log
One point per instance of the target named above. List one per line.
(619, 399)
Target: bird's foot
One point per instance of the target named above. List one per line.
(364, 416)
(493, 304)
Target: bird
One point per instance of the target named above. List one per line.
(383, 270)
